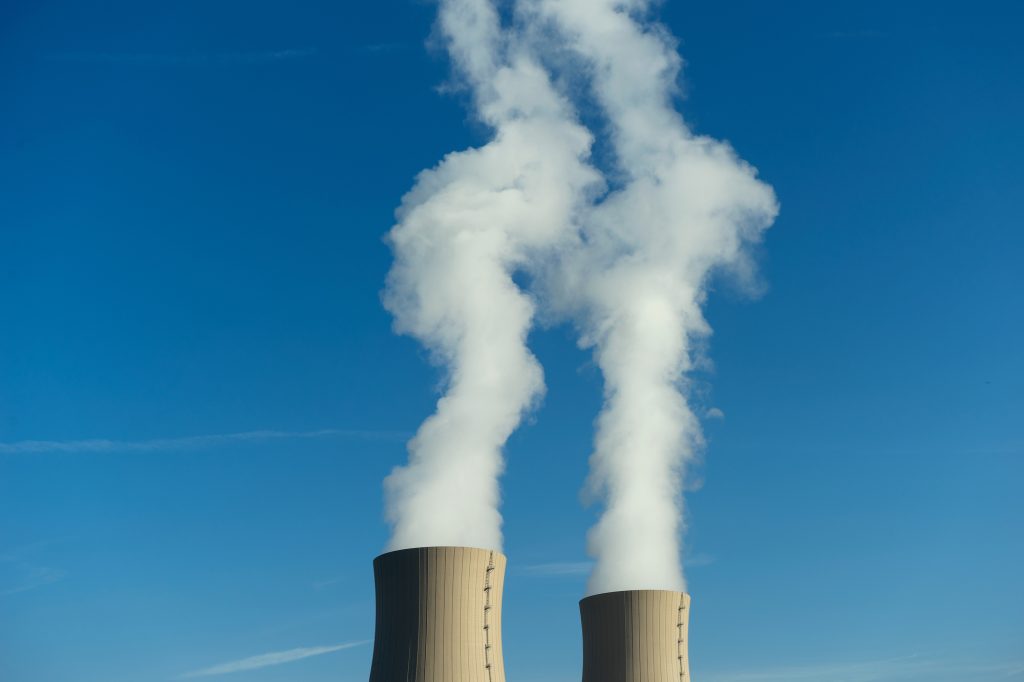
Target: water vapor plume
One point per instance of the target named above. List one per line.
(685, 207)
(463, 231)
(625, 254)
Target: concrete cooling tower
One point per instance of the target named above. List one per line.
(635, 636)
(438, 615)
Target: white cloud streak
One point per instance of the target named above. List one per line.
(266, 660)
(102, 445)
(38, 576)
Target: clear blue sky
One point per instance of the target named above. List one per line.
(192, 201)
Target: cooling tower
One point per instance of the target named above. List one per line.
(635, 636)
(438, 615)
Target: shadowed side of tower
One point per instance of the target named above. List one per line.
(635, 636)
(438, 615)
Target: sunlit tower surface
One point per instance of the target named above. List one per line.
(438, 615)
(636, 636)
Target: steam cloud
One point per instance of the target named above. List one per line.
(627, 259)
(463, 230)
(637, 280)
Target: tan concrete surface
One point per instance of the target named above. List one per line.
(636, 636)
(438, 615)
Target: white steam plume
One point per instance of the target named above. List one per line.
(635, 281)
(633, 276)
(463, 230)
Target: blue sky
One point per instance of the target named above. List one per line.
(200, 392)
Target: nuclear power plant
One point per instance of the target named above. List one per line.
(439, 620)
(635, 636)
(438, 615)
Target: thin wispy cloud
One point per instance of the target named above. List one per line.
(21, 569)
(38, 576)
(904, 668)
(102, 445)
(273, 658)
(185, 58)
